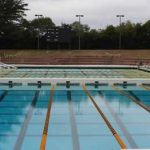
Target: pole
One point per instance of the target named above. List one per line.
(79, 32)
(38, 42)
(79, 47)
(120, 30)
(120, 37)
(38, 46)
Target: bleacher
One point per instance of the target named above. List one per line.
(76, 60)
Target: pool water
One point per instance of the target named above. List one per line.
(74, 73)
(75, 123)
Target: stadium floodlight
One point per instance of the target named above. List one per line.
(38, 42)
(120, 35)
(38, 15)
(120, 16)
(79, 16)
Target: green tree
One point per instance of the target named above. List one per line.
(12, 10)
(83, 28)
(146, 34)
(109, 37)
(44, 23)
(128, 34)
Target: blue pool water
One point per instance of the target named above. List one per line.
(75, 123)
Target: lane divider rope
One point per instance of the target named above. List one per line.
(115, 134)
(3, 95)
(145, 87)
(131, 98)
(45, 130)
(119, 121)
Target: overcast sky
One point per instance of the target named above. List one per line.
(98, 13)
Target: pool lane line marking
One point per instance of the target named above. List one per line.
(24, 127)
(45, 130)
(119, 122)
(131, 98)
(3, 95)
(115, 134)
(5, 74)
(65, 74)
(83, 73)
(75, 138)
(45, 74)
(24, 75)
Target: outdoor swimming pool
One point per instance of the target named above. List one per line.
(82, 117)
(60, 72)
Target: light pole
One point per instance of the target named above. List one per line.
(79, 16)
(38, 42)
(1, 41)
(120, 34)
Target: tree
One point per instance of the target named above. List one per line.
(109, 37)
(146, 34)
(128, 34)
(43, 23)
(83, 28)
(11, 10)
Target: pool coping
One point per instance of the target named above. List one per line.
(110, 81)
(77, 66)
